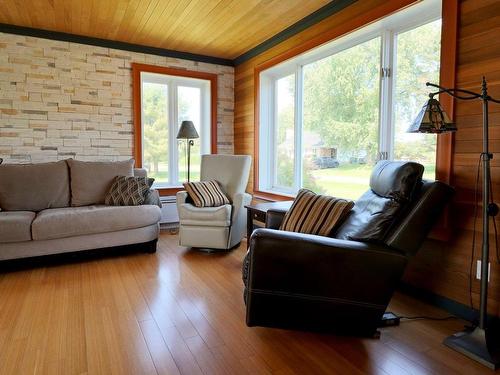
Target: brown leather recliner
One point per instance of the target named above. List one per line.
(343, 283)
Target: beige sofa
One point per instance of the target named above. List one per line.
(58, 207)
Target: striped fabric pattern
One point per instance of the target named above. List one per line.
(313, 213)
(206, 193)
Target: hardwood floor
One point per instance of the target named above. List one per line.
(180, 311)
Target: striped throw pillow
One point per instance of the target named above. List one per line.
(312, 213)
(206, 193)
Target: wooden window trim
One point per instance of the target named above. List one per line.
(136, 107)
(444, 152)
(447, 78)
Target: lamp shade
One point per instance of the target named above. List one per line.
(432, 119)
(187, 131)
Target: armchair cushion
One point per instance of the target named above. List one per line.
(315, 214)
(206, 193)
(205, 216)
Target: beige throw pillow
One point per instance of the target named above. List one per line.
(206, 193)
(312, 213)
(90, 181)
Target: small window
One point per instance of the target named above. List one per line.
(165, 101)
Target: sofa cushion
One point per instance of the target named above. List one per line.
(90, 181)
(206, 216)
(76, 221)
(15, 226)
(34, 187)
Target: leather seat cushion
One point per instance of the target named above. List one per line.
(77, 221)
(15, 226)
(205, 216)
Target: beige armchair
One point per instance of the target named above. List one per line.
(217, 227)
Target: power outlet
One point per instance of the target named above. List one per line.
(478, 270)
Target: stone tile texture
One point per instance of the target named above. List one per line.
(62, 100)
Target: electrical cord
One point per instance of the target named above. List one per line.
(476, 204)
(494, 222)
(423, 317)
(471, 263)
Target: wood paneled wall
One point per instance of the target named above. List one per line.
(440, 267)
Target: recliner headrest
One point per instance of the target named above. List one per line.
(397, 180)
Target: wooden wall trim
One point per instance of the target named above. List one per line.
(447, 78)
(115, 44)
(306, 22)
(387, 8)
(136, 105)
(364, 19)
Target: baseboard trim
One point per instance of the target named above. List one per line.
(453, 307)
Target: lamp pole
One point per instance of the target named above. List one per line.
(482, 343)
(188, 132)
(190, 143)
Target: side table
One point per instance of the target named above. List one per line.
(258, 211)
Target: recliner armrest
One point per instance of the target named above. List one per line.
(274, 218)
(309, 265)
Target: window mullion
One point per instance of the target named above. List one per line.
(274, 135)
(390, 104)
(173, 171)
(386, 120)
(298, 165)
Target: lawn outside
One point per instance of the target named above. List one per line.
(351, 180)
(347, 181)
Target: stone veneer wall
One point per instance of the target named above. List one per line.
(62, 100)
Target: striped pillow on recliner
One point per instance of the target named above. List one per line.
(206, 193)
(312, 213)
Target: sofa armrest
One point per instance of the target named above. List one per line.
(274, 218)
(181, 197)
(308, 265)
(153, 197)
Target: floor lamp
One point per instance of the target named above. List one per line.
(483, 342)
(188, 132)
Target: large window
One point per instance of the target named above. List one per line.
(327, 116)
(165, 101)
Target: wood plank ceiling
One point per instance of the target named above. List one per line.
(220, 28)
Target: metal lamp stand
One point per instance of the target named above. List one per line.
(190, 143)
(483, 342)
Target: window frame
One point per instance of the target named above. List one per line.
(137, 69)
(387, 29)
